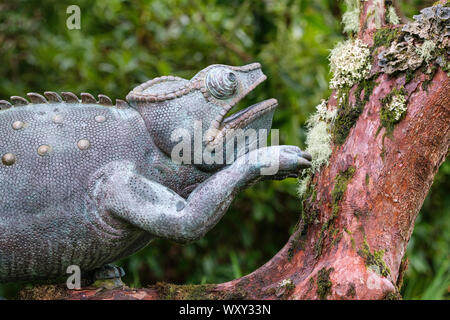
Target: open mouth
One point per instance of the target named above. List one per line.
(240, 119)
(243, 117)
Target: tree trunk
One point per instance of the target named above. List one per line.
(360, 209)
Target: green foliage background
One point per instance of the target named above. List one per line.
(125, 42)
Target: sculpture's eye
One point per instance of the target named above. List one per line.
(221, 82)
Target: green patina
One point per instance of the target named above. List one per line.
(374, 260)
(387, 116)
(324, 283)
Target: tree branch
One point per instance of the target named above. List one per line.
(359, 211)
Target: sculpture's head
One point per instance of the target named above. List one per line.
(174, 108)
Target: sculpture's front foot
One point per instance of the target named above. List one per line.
(278, 162)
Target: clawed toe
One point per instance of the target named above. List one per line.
(306, 155)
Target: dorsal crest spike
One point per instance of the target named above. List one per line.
(5, 104)
(36, 98)
(104, 100)
(121, 104)
(19, 101)
(87, 98)
(65, 97)
(52, 97)
(70, 97)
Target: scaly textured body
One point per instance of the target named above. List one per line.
(86, 183)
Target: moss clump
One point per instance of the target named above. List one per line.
(324, 283)
(351, 291)
(167, 291)
(319, 242)
(309, 214)
(43, 292)
(352, 240)
(336, 235)
(385, 36)
(345, 120)
(409, 75)
(393, 109)
(374, 260)
(340, 186)
(367, 85)
(392, 296)
(347, 114)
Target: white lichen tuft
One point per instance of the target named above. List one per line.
(397, 106)
(350, 18)
(303, 185)
(392, 16)
(318, 142)
(425, 51)
(285, 283)
(373, 14)
(349, 63)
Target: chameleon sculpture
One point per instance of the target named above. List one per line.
(85, 183)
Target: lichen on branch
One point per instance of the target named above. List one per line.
(318, 142)
(350, 18)
(421, 41)
(349, 63)
(393, 108)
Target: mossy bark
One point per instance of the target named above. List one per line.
(359, 211)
